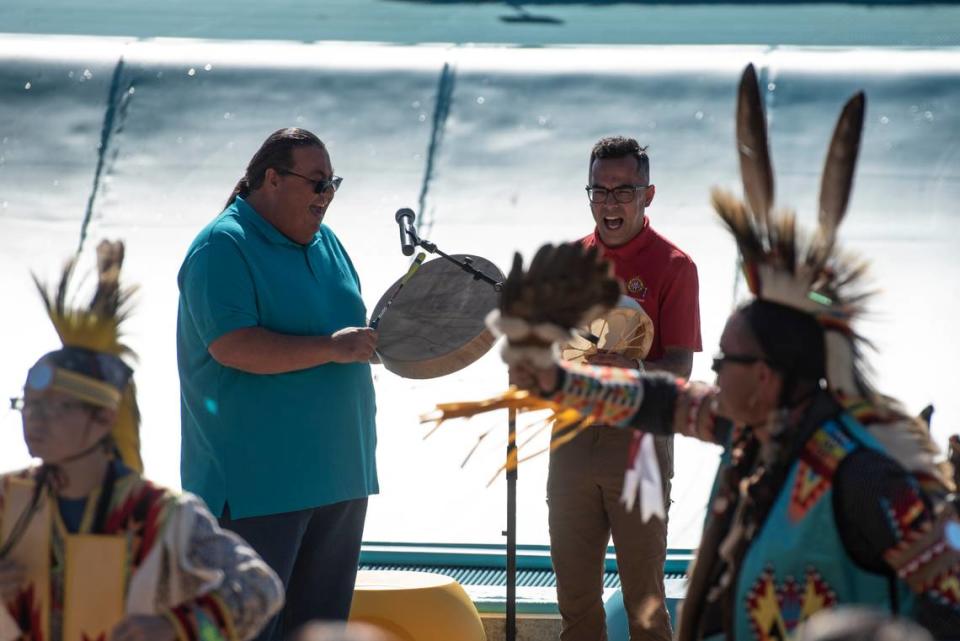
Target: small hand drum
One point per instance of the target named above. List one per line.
(435, 326)
(626, 329)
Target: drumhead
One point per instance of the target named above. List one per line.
(626, 329)
(435, 326)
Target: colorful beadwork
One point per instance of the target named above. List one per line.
(608, 395)
(818, 461)
(928, 559)
(776, 610)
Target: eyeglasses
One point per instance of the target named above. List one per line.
(319, 186)
(44, 408)
(743, 359)
(622, 194)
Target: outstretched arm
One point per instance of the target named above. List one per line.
(539, 306)
(657, 403)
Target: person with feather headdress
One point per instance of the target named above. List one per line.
(830, 494)
(89, 548)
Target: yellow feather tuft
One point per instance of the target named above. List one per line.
(97, 326)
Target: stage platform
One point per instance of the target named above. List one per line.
(480, 570)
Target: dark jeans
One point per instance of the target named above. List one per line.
(315, 552)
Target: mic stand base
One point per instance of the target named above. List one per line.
(511, 531)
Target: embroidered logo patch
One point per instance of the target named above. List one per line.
(818, 461)
(776, 610)
(637, 288)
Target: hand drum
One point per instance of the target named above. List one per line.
(435, 326)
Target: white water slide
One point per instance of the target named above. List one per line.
(143, 140)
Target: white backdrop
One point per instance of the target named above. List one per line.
(509, 168)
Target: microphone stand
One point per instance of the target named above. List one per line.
(510, 625)
(466, 264)
(510, 632)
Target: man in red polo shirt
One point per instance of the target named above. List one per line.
(586, 475)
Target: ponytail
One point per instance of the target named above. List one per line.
(242, 189)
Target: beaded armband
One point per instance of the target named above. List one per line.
(607, 395)
(928, 559)
(701, 416)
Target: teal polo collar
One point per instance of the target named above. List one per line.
(271, 233)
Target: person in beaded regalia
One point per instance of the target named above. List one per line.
(89, 548)
(829, 493)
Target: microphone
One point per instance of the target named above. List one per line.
(408, 235)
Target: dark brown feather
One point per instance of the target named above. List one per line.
(561, 284)
(756, 170)
(837, 181)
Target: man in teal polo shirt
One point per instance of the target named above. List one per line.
(277, 400)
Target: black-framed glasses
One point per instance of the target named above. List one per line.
(743, 359)
(622, 194)
(321, 187)
(45, 408)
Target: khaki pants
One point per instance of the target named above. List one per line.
(583, 494)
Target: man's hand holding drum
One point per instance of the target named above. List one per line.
(353, 344)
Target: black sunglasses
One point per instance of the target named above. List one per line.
(743, 359)
(319, 186)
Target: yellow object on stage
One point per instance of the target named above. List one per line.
(416, 606)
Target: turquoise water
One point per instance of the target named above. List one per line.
(532, 23)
